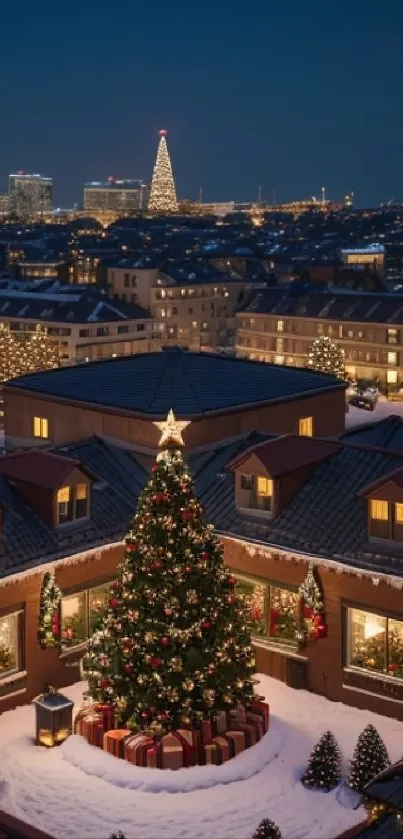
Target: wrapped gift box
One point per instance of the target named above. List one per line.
(177, 752)
(114, 741)
(136, 748)
(193, 739)
(218, 751)
(206, 731)
(220, 723)
(236, 742)
(93, 729)
(249, 732)
(80, 717)
(261, 708)
(257, 721)
(107, 714)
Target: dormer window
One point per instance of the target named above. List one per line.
(72, 503)
(264, 493)
(386, 520)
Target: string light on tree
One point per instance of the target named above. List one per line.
(175, 647)
(324, 356)
(162, 193)
(28, 353)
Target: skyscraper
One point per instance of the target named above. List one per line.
(162, 193)
(30, 194)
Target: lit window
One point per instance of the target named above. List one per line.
(72, 503)
(391, 377)
(375, 643)
(392, 358)
(399, 513)
(305, 426)
(194, 324)
(379, 510)
(41, 427)
(272, 610)
(280, 326)
(10, 647)
(279, 359)
(264, 486)
(82, 614)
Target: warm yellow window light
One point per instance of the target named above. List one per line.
(399, 513)
(41, 427)
(305, 427)
(63, 495)
(81, 492)
(265, 487)
(379, 510)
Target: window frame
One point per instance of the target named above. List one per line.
(301, 422)
(40, 424)
(388, 529)
(72, 504)
(19, 613)
(267, 639)
(347, 608)
(76, 591)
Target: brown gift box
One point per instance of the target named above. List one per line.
(80, 717)
(221, 723)
(93, 729)
(218, 751)
(193, 739)
(114, 741)
(173, 754)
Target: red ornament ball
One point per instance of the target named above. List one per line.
(206, 624)
(211, 669)
(156, 564)
(168, 612)
(144, 715)
(231, 599)
(204, 556)
(128, 668)
(155, 661)
(104, 683)
(155, 467)
(188, 569)
(163, 715)
(187, 515)
(164, 641)
(232, 581)
(131, 546)
(113, 602)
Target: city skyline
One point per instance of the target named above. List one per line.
(293, 98)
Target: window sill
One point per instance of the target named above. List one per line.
(377, 684)
(14, 682)
(281, 649)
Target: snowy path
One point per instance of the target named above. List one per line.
(46, 789)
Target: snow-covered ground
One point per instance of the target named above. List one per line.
(357, 416)
(77, 791)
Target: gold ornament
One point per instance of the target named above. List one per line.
(188, 685)
(171, 431)
(176, 664)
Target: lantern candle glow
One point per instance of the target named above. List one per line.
(54, 718)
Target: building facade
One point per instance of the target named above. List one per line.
(116, 196)
(285, 513)
(278, 327)
(30, 195)
(116, 399)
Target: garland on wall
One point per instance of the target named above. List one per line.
(311, 624)
(49, 612)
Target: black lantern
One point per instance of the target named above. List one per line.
(54, 718)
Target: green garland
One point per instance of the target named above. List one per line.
(49, 608)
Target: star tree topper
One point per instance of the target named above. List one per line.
(171, 431)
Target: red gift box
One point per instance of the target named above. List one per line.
(134, 748)
(153, 755)
(249, 732)
(114, 741)
(107, 714)
(262, 708)
(93, 729)
(256, 720)
(80, 717)
(236, 742)
(176, 751)
(193, 739)
(206, 731)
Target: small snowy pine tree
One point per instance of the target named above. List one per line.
(324, 765)
(369, 759)
(267, 830)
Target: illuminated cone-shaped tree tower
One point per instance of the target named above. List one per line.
(175, 647)
(42, 353)
(326, 357)
(162, 193)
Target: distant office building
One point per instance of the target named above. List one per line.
(4, 204)
(124, 196)
(372, 255)
(30, 194)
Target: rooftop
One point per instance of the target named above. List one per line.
(281, 455)
(42, 468)
(328, 305)
(61, 303)
(192, 384)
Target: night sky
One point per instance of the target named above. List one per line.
(291, 95)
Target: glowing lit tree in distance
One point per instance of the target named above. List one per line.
(162, 193)
(326, 357)
(42, 352)
(175, 647)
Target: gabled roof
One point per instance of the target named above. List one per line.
(288, 453)
(41, 468)
(388, 786)
(385, 434)
(192, 384)
(395, 477)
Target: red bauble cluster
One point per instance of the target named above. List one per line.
(160, 498)
(187, 515)
(113, 602)
(155, 661)
(206, 624)
(156, 564)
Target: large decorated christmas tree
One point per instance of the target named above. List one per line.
(325, 356)
(175, 648)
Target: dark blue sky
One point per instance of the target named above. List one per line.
(293, 95)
